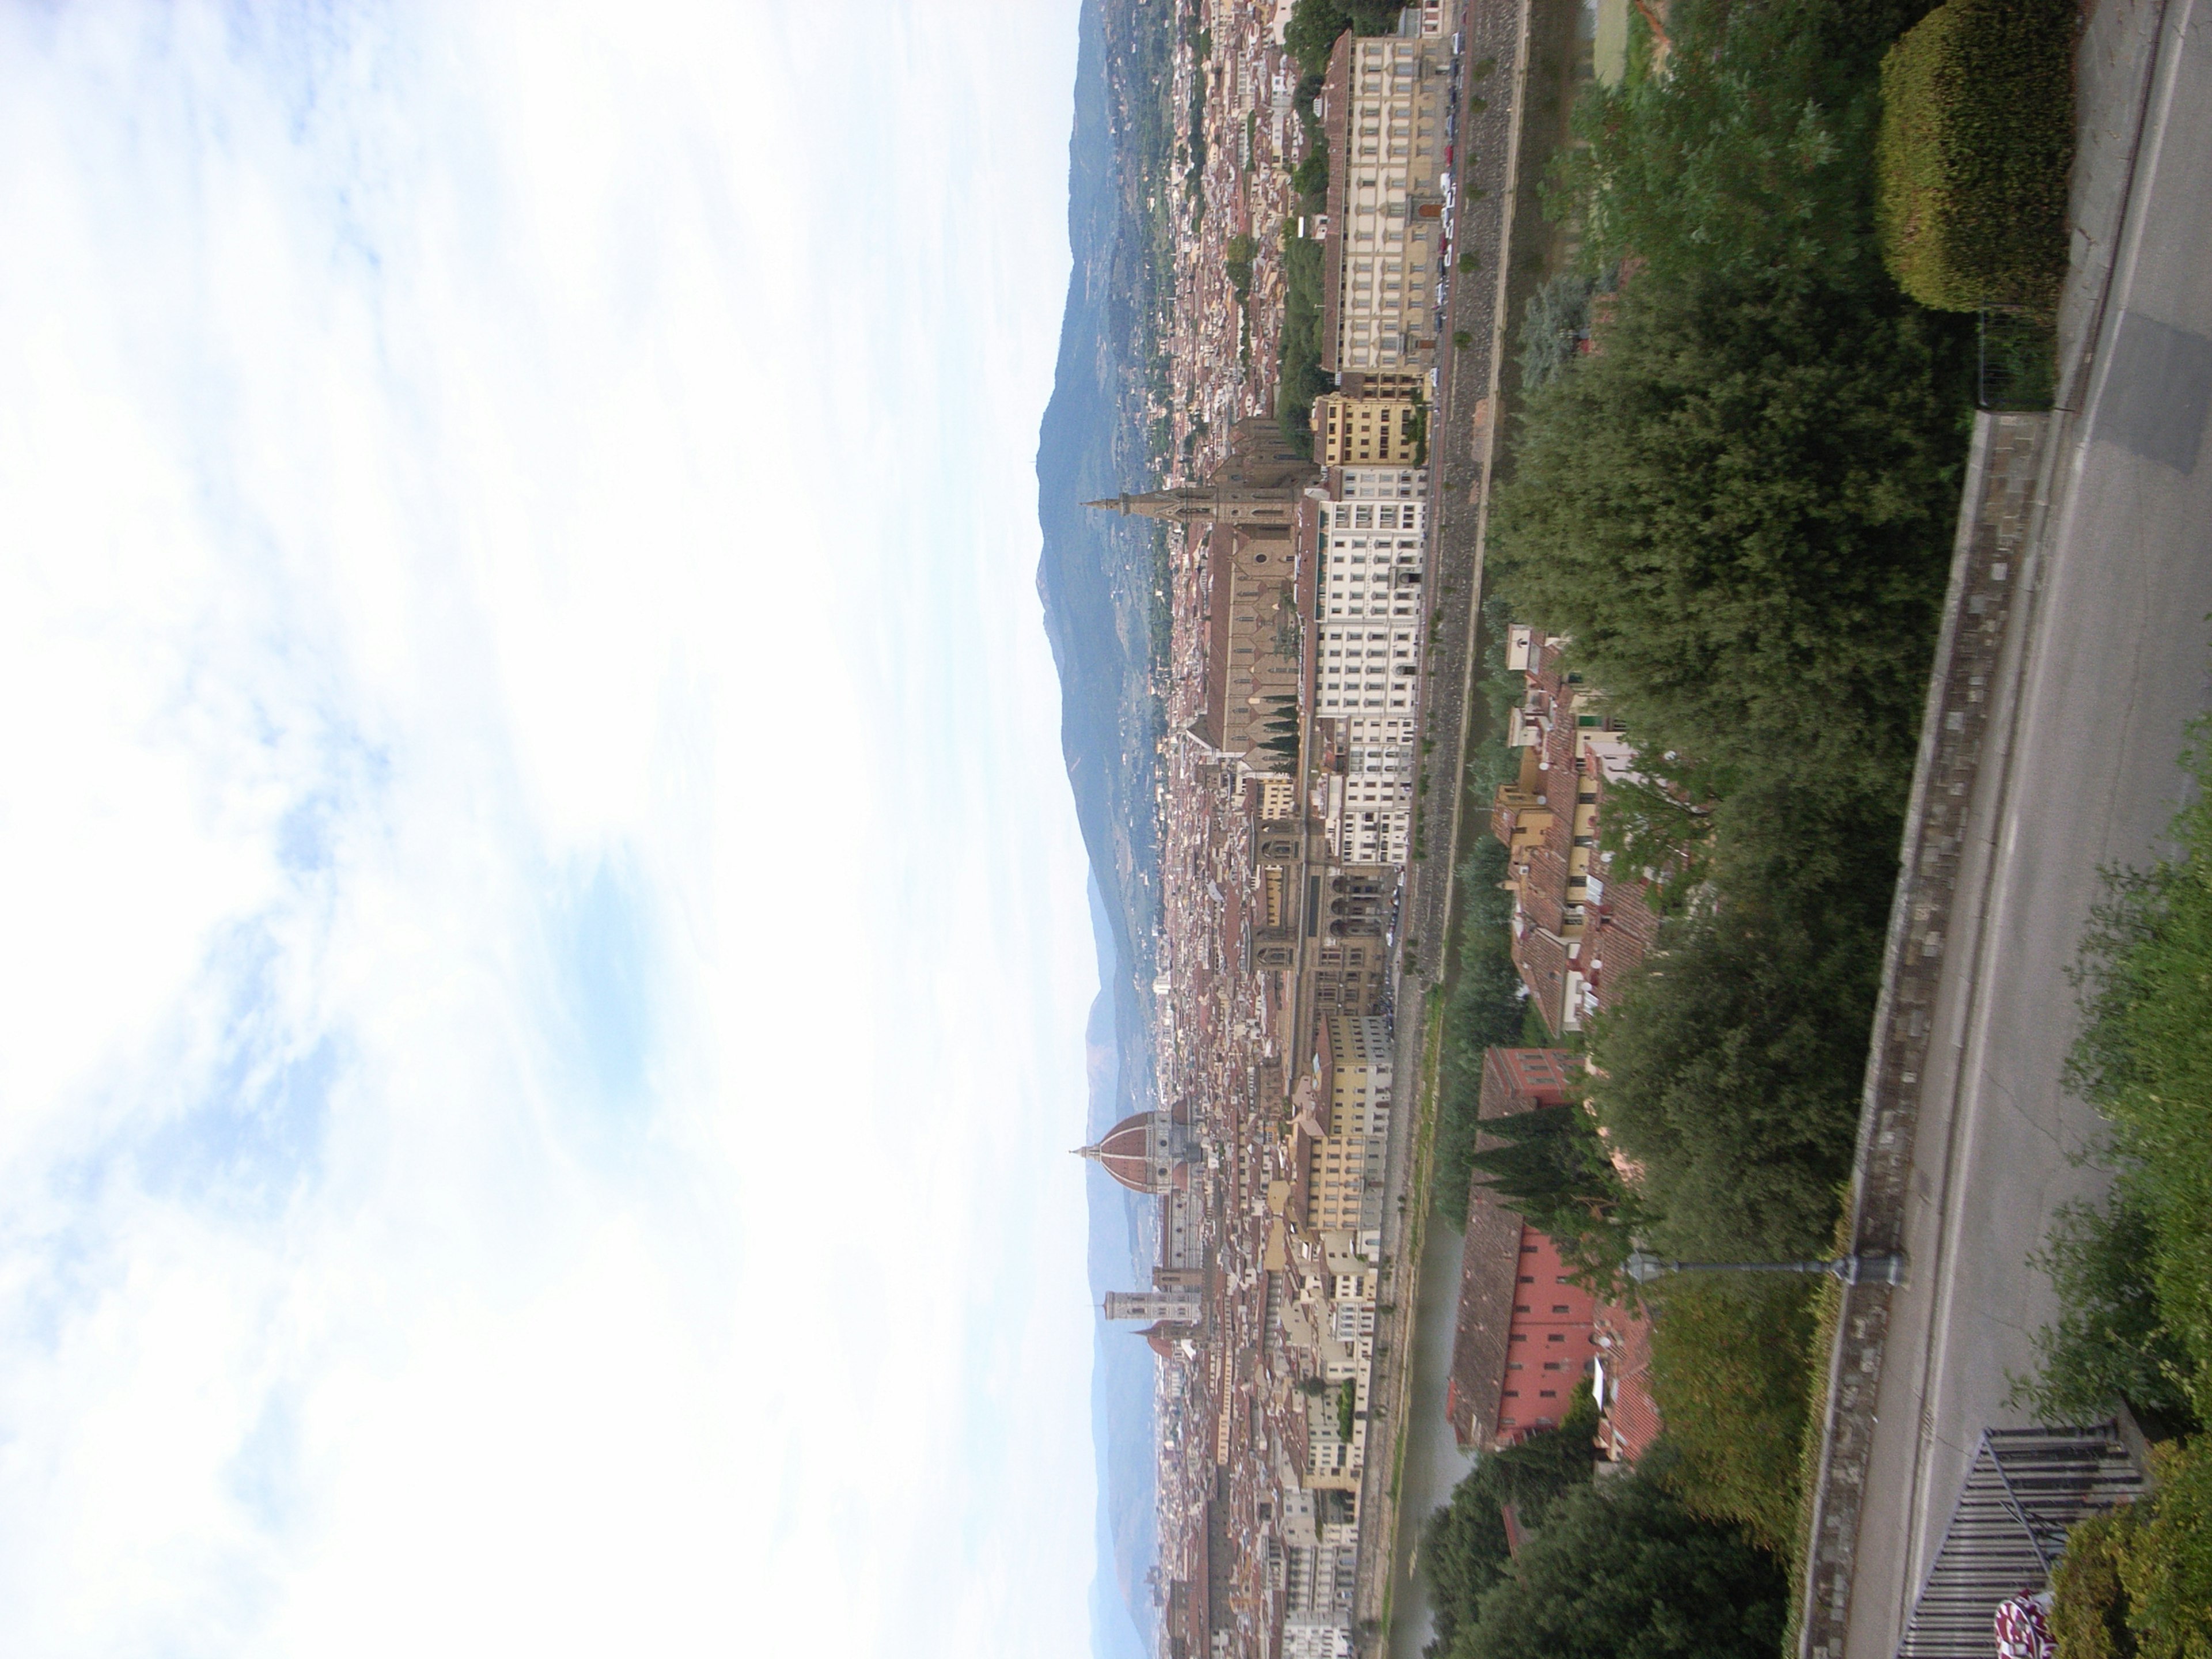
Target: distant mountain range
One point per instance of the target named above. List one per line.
(1095, 579)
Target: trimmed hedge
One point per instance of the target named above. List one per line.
(1977, 139)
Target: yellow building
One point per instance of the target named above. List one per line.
(1345, 1169)
(1383, 105)
(1369, 431)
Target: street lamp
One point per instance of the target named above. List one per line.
(1881, 1269)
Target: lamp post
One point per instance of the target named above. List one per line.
(1881, 1269)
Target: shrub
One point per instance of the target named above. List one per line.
(2139, 1581)
(1976, 139)
(2109, 1343)
(2089, 1614)
(2145, 1060)
(1730, 1376)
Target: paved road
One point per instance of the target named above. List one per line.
(2112, 664)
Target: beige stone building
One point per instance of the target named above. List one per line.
(1344, 1184)
(1383, 108)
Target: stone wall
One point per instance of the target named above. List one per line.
(1993, 529)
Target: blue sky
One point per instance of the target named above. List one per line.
(548, 953)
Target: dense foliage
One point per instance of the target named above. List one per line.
(2137, 1584)
(1742, 511)
(1464, 1548)
(1730, 1376)
(1299, 378)
(2145, 1060)
(1740, 508)
(2134, 1278)
(1752, 153)
(1483, 1010)
(2110, 1342)
(1621, 1570)
(1977, 136)
(1311, 34)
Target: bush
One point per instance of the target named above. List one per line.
(2139, 1581)
(1623, 1571)
(1977, 137)
(2109, 1343)
(2145, 1060)
(1729, 1373)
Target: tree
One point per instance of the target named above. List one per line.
(1550, 1165)
(1730, 1071)
(1485, 1009)
(1463, 1548)
(1622, 1571)
(1742, 511)
(1753, 153)
(1311, 34)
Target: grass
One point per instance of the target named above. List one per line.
(1730, 1377)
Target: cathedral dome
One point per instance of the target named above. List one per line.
(1140, 1152)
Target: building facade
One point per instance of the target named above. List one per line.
(1345, 1161)
(1382, 105)
(1377, 431)
(1371, 563)
(1162, 1305)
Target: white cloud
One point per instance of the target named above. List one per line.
(549, 942)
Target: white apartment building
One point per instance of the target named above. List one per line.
(1313, 1636)
(1372, 565)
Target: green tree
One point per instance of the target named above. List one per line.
(1753, 153)
(1311, 34)
(1623, 1571)
(1551, 1167)
(1485, 1010)
(1742, 511)
(1463, 1547)
(1730, 1070)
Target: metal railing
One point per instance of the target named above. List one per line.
(2025, 1489)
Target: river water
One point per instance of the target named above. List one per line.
(1434, 1463)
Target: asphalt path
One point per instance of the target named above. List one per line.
(2110, 667)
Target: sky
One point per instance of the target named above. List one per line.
(547, 939)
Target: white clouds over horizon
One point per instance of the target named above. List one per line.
(549, 948)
